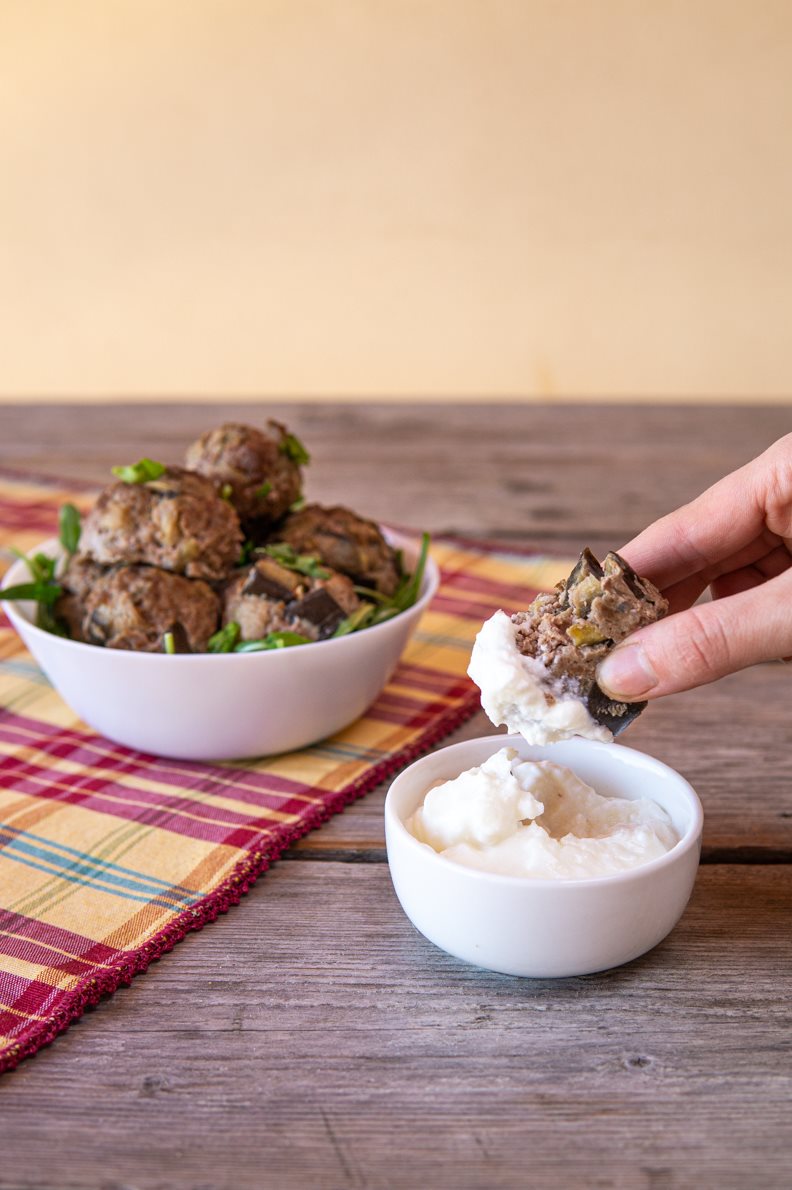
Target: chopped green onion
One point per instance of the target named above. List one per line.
(224, 640)
(291, 446)
(263, 491)
(141, 472)
(70, 528)
(169, 642)
(307, 564)
(273, 640)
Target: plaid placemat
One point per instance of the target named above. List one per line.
(108, 856)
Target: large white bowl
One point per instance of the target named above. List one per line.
(545, 928)
(220, 706)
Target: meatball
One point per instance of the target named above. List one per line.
(346, 542)
(77, 580)
(80, 575)
(177, 522)
(132, 607)
(267, 597)
(258, 471)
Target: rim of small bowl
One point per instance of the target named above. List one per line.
(688, 840)
(429, 585)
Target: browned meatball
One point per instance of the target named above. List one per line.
(78, 578)
(254, 469)
(80, 575)
(346, 542)
(266, 597)
(177, 522)
(132, 607)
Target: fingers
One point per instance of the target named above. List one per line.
(741, 517)
(703, 643)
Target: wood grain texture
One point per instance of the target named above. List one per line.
(311, 1038)
(340, 1049)
(529, 472)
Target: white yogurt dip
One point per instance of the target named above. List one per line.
(514, 688)
(538, 819)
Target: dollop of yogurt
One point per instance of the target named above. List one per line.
(514, 689)
(538, 819)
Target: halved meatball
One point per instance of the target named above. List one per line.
(177, 522)
(267, 597)
(254, 469)
(346, 542)
(132, 607)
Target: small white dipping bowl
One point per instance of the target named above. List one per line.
(545, 928)
(204, 706)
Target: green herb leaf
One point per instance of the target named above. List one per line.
(41, 592)
(359, 618)
(409, 586)
(273, 640)
(225, 640)
(297, 504)
(46, 619)
(70, 528)
(169, 642)
(263, 491)
(307, 564)
(141, 472)
(226, 491)
(246, 553)
(293, 449)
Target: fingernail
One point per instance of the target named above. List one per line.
(626, 673)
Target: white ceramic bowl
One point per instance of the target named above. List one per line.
(220, 706)
(545, 928)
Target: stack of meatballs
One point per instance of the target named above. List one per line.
(165, 556)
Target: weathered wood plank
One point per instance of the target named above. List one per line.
(377, 1061)
(513, 471)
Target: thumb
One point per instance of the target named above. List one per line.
(701, 644)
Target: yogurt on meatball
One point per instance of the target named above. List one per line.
(516, 690)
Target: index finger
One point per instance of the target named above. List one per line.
(724, 520)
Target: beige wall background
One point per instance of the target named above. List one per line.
(465, 198)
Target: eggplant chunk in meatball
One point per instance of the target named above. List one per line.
(266, 597)
(177, 522)
(346, 542)
(133, 607)
(258, 471)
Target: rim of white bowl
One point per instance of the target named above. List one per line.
(688, 840)
(430, 584)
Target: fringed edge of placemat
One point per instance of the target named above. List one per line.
(94, 988)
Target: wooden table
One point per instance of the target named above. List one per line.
(311, 1038)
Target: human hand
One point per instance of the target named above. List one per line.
(736, 539)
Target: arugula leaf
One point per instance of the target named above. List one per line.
(263, 491)
(225, 639)
(409, 586)
(273, 640)
(141, 472)
(307, 564)
(70, 528)
(360, 618)
(291, 446)
(41, 592)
